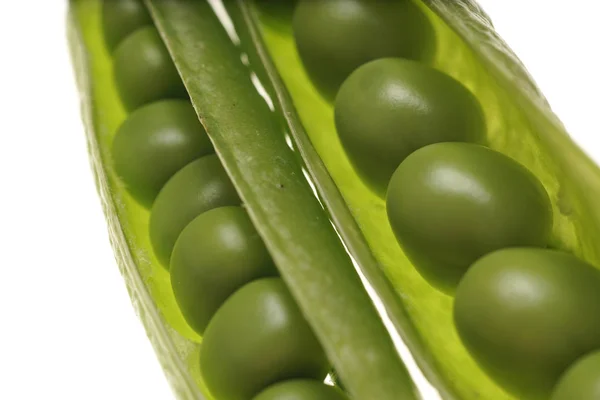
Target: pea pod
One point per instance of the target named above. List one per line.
(249, 88)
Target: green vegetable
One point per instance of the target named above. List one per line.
(259, 337)
(154, 142)
(144, 71)
(198, 187)
(527, 314)
(120, 18)
(216, 254)
(581, 381)
(335, 37)
(451, 203)
(301, 390)
(389, 108)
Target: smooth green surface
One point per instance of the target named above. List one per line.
(335, 37)
(581, 381)
(120, 18)
(216, 254)
(259, 337)
(519, 123)
(301, 390)
(527, 314)
(155, 142)
(144, 71)
(390, 107)
(251, 142)
(198, 187)
(147, 282)
(451, 203)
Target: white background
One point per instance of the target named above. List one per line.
(67, 329)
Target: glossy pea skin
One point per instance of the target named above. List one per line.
(257, 338)
(144, 71)
(335, 37)
(527, 314)
(391, 107)
(581, 381)
(198, 187)
(301, 389)
(216, 254)
(451, 203)
(120, 18)
(155, 142)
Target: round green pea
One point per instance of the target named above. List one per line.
(216, 254)
(144, 70)
(451, 203)
(581, 381)
(120, 18)
(155, 142)
(301, 389)
(335, 37)
(527, 314)
(390, 107)
(257, 338)
(198, 187)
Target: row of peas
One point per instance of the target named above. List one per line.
(472, 221)
(256, 343)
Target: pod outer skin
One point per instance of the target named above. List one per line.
(155, 142)
(335, 37)
(120, 18)
(216, 254)
(527, 314)
(301, 389)
(144, 71)
(391, 107)
(581, 381)
(451, 203)
(198, 187)
(257, 338)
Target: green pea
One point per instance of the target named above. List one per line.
(216, 254)
(144, 70)
(389, 108)
(581, 381)
(153, 143)
(200, 186)
(526, 314)
(335, 37)
(257, 338)
(451, 203)
(301, 389)
(120, 18)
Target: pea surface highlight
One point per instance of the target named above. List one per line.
(216, 254)
(144, 70)
(155, 142)
(391, 107)
(335, 37)
(451, 203)
(581, 381)
(527, 314)
(120, 18)
(257, 338)
(198, 187)
(302, 389)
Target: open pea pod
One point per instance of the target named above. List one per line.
(327, 232)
